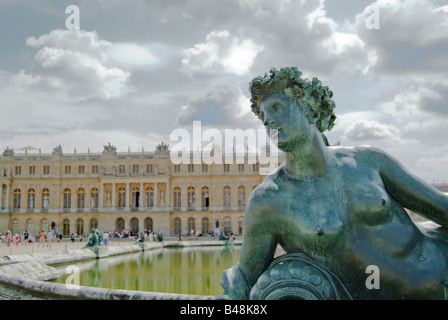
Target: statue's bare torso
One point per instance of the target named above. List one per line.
(347, 219)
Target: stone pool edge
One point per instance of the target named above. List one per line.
(30, 272)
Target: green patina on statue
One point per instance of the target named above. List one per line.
(95, 239)
(336, 211)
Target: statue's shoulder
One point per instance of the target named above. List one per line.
(269, 183)
(358, 152)
(264, 194)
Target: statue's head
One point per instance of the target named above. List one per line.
(314, 96)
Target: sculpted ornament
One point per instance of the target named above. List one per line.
(338, 212)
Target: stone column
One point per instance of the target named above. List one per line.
(141, 198)
(167, 194)
(8, 189)
(113, 195)
(156, 195)
(101, 204)
(1, 196)
(128, 200)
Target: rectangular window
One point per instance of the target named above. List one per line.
(67, 200)
(177, 168)
(177, 199)
(255, 167)
(68, 169)
(18, 171)
(240, 167)
(121, 168)
(204, 167)
(95, 169)
(46, 170)
(191, 168)
(135, 168)
(149, 168)
(81, 170)
(226, 167)
(94, 200)
(32, 170)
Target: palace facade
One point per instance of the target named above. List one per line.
(110, 191)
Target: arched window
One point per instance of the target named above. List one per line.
(94, 198)
(45, 198)
(17, 198)
(15, 226)
(177, 226)
(119, 224)
(241, 196)
(44, 225)
(135, 197)
(31, 198)
(93, 224)
(149, 225)
(134, 225)
(66, 227)
(226, 196)
(205, 226)
(191, 225)
(80, 226)
(81, 198)
(149, 197)
(121, 197)
(240, 225)
(190, 197)
(67, 198)
(227, 227)
(30, 226)
(177, 199)
(205, 197)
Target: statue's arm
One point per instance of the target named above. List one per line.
(257, 252)
(259, 244)
(412, 192)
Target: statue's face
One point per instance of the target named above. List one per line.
(284, 113)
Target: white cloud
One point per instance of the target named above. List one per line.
(220, 105)
(372, 131)
(221, 53)
(79, 76)
(80, 66)
(131, 55)
(434, 165)
(411, 40)
(340, 42)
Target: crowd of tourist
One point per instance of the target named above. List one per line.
(52, 236)
(46, 238)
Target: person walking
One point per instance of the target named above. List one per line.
(41, 238)
(106, 238)
(49, 238)
(8, 238)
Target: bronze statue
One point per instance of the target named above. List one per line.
(95, 239)
(338, 212)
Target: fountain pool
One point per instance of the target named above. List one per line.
(189, 270)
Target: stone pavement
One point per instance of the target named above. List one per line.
(66, 244)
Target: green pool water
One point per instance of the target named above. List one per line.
(195, 270)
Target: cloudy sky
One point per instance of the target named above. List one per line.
(137, 70)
